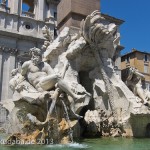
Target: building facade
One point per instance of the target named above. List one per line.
(21, 23)
(139, 60)
(74, 11)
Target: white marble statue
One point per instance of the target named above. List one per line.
(42, 76)
(134, 82)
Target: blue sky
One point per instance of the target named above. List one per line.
(135, 32)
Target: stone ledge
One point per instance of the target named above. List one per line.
(20, 36)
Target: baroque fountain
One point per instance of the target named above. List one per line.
(73, 89)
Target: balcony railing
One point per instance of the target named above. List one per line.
(28, 14)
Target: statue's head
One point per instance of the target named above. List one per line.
(36, 55)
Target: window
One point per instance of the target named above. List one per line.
(25, 7)
(127, 59)
(28, 6)
(4, 2)
(27, 26)
(55, 15)
(146, 69)
(148, 86)
(145, 57)
(55, 32)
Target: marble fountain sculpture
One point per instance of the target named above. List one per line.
(73, 89)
